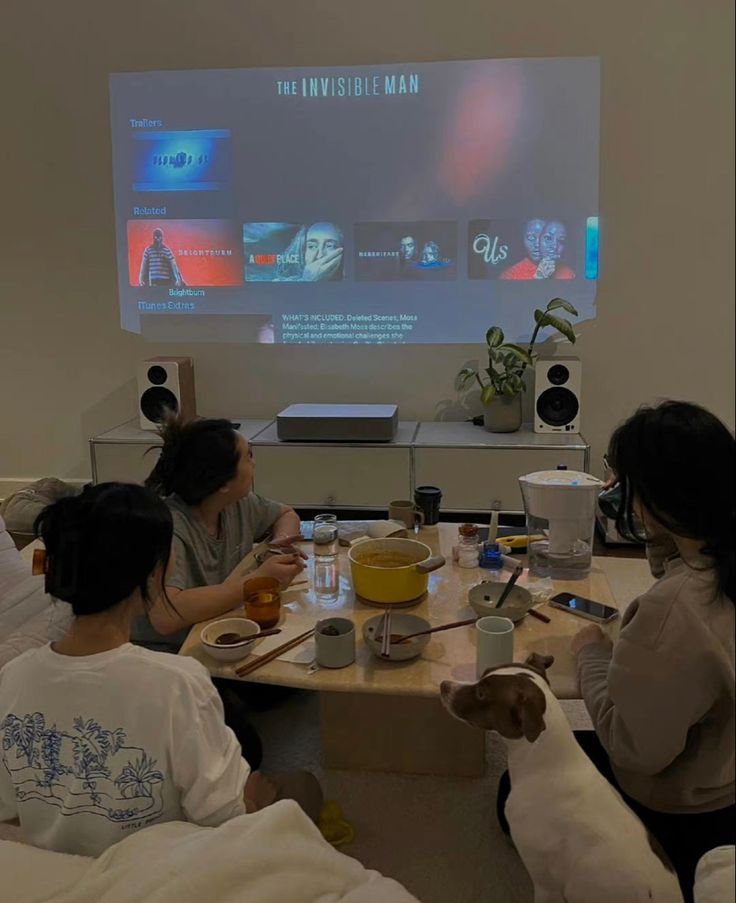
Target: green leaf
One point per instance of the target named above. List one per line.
(508, 390)
(563, 326)
(518, 352)
(494, 337)
(464, 377)
(487, 394)
(557, 303)
(516, 382)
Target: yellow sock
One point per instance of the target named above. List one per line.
(333, 826)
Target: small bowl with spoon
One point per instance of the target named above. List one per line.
(401, 625)
(484, 600)
(230, 639)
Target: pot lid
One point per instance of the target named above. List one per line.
(573, 479)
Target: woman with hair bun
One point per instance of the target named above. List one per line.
(205, 475)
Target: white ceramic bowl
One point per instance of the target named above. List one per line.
(484, 597)
(236, 651)
(402, 624)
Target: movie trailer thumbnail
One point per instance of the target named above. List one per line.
(536, 248)
(180, 252)
(181, 161)
(405, 251)
(293, 252)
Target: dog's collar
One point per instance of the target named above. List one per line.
(523, 665)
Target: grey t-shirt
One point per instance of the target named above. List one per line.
(203, 560)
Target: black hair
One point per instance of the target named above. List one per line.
(678, 460)
(197, 459)
(104, 544)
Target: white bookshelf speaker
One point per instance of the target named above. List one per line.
(165, 384)
(557, 395)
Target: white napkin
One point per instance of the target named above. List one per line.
(291, 628)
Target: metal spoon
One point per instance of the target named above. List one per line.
(386, 638)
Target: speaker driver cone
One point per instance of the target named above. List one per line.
(557, 406)
(157, 402)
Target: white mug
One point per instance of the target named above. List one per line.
(495, 638)
(335, 651)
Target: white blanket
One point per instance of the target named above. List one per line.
(715, 876)
(274, 856)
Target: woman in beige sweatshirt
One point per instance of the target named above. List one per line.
(662, 698)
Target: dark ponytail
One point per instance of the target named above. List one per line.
(721, 548)
(678, 459)
(197, 459)
(103, 545)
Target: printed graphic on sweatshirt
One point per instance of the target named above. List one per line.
(82, 769)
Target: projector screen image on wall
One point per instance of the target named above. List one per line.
(417, 202)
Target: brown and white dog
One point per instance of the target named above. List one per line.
(577, 838)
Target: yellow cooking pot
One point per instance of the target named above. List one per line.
(391, 571)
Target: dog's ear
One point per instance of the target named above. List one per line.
(513, 705)
(540, 663)
(530, 710)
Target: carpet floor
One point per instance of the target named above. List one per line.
(438, 836)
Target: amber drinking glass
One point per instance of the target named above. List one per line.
(262, 598)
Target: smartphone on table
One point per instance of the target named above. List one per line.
(586, 608)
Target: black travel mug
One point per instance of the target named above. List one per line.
(428, 498)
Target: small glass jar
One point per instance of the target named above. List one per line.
(465, 551)
(468, 556)
(467, 538)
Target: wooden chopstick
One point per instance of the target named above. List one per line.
(250, 667)
(386, 638)
(410, 636)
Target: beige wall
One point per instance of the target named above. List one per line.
(666, 315)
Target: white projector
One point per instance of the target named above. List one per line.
(338, 423)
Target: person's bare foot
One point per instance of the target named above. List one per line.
(259, 792)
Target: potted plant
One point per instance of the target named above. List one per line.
(502, 381)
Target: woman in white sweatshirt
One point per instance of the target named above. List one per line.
(100, 737)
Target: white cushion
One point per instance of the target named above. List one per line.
(715, 876)
(45, 626)
(21, 604)
(28, 617)
(14, 571)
